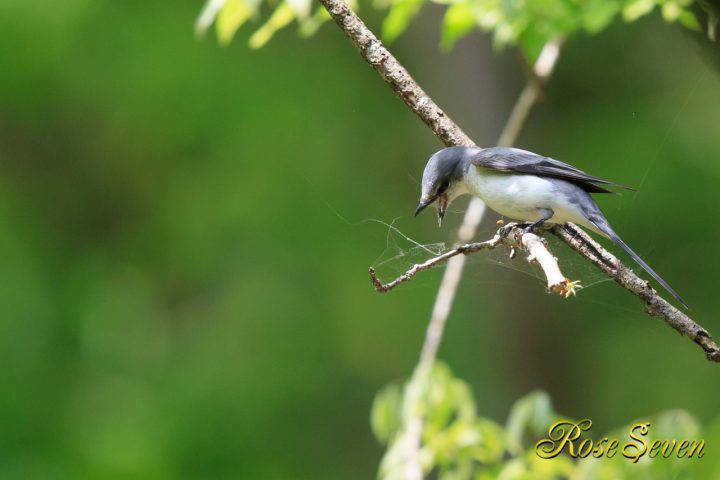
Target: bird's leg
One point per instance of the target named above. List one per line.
(532, 226)
(545, 214)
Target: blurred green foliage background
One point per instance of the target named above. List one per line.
(184, 252)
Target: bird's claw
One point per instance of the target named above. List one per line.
(531, 228)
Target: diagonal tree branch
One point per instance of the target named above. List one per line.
(387, 66)
(655, 305)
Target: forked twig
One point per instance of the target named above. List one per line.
(510, 235)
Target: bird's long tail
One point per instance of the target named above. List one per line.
(603, 226)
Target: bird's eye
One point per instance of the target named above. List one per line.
(443, 186)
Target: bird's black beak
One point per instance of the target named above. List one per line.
(442, 205)
(423, 204)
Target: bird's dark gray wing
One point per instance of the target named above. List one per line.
(522, 161)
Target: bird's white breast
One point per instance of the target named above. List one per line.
(521, 197)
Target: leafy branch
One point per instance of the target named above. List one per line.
(529, 24)
(459, 443)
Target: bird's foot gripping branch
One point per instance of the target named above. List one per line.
(512, 235)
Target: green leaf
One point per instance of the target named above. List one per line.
(508, 33)
(688, 20)
(392, 465)
(514, 469)
(457, 22)
(532, 43)
(385, 416)
(399, 18)
(300, 7)
(208, 15)
(310, 25)
(561, 466)
(532, 413)
(598, 14)
(670, 11)
(488, 15)
(446, 398)
(231, 17)
(283, 15)
(709, 465)
(492, 442)
(675, 424)
(637, 8)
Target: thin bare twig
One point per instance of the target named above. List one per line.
(433, 262)
(510, 235)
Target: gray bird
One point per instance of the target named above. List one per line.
(524, 186)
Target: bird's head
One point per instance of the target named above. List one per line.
(443, 178)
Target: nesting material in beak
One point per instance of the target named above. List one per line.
(442, 205)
